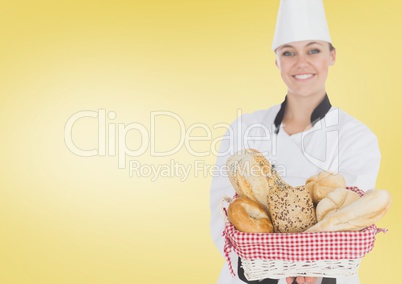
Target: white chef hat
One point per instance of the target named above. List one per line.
(300, 20)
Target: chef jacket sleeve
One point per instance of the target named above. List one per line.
(359, 156)
(221, 185)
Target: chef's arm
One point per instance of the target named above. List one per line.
(359, 157)
(220, 187)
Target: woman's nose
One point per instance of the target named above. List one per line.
(302, 60)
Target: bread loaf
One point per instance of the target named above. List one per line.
(247, 173)
(249, 216)
(359, 214)
(323, 183)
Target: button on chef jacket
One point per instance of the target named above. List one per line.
(337, 142)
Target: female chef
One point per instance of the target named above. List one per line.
(305, 134)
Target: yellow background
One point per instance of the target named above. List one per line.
(71, 219)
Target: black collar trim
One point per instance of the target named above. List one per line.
(318, 113)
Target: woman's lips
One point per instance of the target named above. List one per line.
(303, 76)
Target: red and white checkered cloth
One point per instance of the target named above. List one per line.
(300, 246)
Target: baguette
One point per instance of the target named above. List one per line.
(356, 216)
(334, 202)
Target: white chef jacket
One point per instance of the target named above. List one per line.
(338, 143)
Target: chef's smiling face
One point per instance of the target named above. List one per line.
(304, 66)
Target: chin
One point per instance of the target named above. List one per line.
(307, 93)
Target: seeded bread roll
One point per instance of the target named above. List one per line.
(291, 208)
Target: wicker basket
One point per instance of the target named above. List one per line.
(279, 255)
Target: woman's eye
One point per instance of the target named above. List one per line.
(314, 51)
(288, 53)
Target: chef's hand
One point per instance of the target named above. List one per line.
(301, 280)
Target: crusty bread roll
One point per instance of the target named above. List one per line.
(335, 201)
(323, 183)
(362, 213)
(249, 216)
(247, 173)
